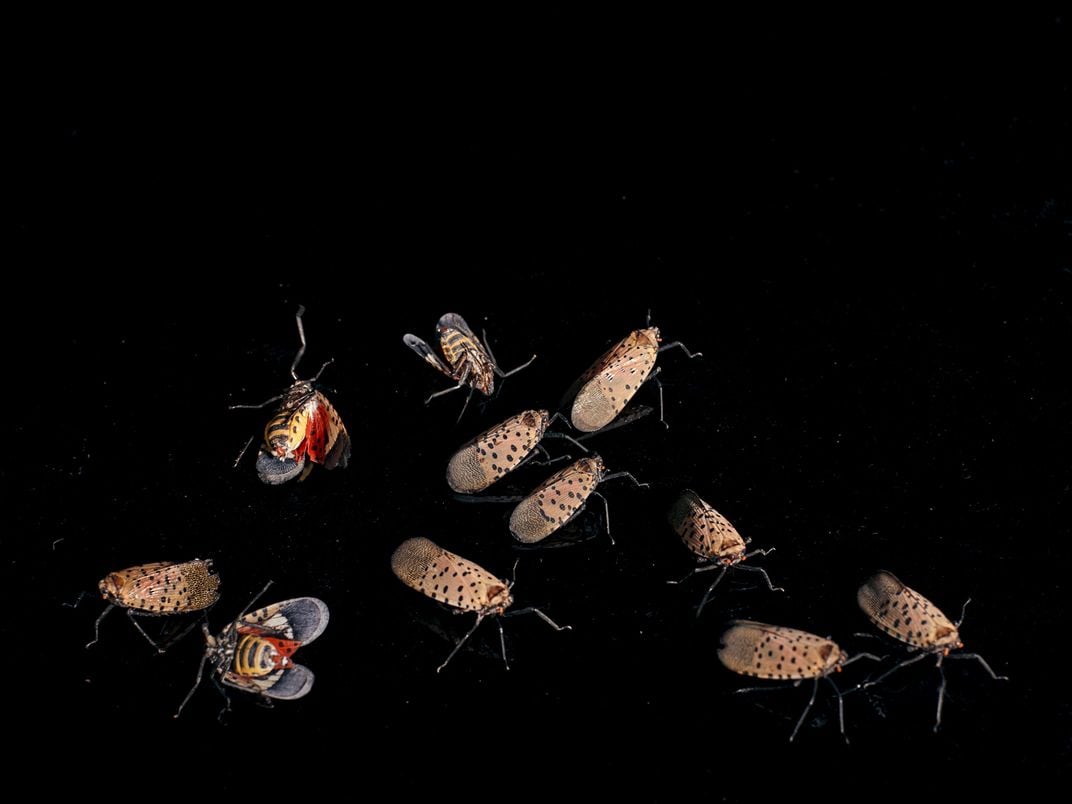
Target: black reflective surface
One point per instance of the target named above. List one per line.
(877, 275)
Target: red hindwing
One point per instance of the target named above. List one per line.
(317, 434)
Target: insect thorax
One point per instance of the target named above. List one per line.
(466, 357)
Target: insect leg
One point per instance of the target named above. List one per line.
(682, 347)
(654, 376)
(197, 682)
(941, 695)
(77, 600)
(616, 475)
(444, 392)
(149, 639)
(263, 404)
(606, 513)
(759, 552)
(476, 625)
(243, 452)
(571, 439)
(541, 615)
(872, 682)
(804, 714)
(172, 640)
(840, 708)
(468, 399)
(870, 656)
(301, 336)
(502, 639)
(96, 625)
(710, 589)
(705, 568)
(495, 363)
(762, 572)
(981, 661)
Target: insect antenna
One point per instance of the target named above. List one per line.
(326, 364)
(963, 609)
(256, 597)
(301, 335)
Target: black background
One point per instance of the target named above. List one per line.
(869, 246)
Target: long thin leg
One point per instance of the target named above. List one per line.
(541, 615)
(502, 642)
(263, 404)
(654, 377)
(226, 699)
(941, 696)
(149, 639)
(450, 390)
(558, 415)
(681, 346)
(182, 634)
(804, 714)
(840, 708)
(710, 589)
(242, 453)
(495, 363)
(301, 336)
(77, 600)
(762, 572)
(616, 475)
(197, 683)
(698, 570)
(96, 625)
(870, 656)
(606, 514)
(565, 437)
(981, 661)
(476, 625)
(317, 377)
(759, 552)
(468, 399)
(892, 670)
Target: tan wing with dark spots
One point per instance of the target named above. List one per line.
(423, 565)
(904, 613)
(776, 652)
(554, 502)
(704, 530)
(164, 587)
(495, 452)
(613, 380)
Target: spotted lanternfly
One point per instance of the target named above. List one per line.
(160, 588)
(714, 541)
(305, 430)
(499, 450)
(779, 653)
(606, 388)
(468, 361)
(907, 616)
(423, 565)
(560, 498)
(255, 652)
